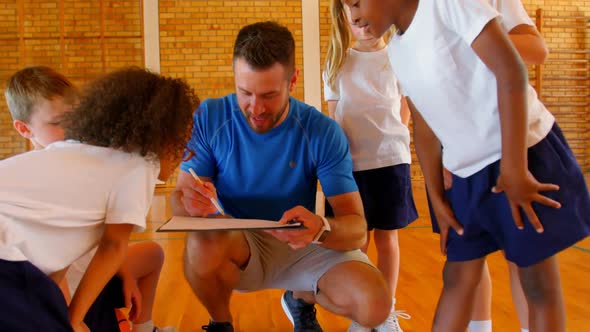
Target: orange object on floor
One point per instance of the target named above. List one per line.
(124, 325)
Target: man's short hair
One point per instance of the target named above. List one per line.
(263, 44)
(30, 85)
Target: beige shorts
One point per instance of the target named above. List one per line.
(273, 264)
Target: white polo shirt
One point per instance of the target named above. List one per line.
(368, 110)
(452, 88)
(54, 203)
(512, 13)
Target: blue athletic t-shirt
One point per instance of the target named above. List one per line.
(263, 175)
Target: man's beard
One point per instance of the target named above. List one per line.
(274, 119)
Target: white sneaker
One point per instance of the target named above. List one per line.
(356, 327)
(391, 324)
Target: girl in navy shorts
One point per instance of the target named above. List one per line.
(364, 98)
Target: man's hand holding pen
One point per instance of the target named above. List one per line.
(200, 199)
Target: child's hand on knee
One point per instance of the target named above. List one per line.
(132, 297)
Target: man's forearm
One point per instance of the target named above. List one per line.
(348, 232)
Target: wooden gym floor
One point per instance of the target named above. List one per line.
(418, 289)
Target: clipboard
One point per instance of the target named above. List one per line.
(196, 224)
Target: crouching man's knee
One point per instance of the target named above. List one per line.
(375, 311)
(202, 256)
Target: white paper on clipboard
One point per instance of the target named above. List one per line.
(191, 224)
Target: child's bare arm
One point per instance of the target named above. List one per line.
(131, 292)
(109, 256)
(404, 111)
(495, 50)
(530, 45)
(428, 149)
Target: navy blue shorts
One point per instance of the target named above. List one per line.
(101, 316)
(487, 220)
(30, 300)
(387, 197)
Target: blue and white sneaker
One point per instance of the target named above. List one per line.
(300, 313)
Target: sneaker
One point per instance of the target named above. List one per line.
(391, 324)
(165, 329)
(218, 327)
(356, 327)
(300, 313)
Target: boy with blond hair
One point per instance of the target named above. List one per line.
(38, 98)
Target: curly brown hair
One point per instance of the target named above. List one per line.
(134, 110)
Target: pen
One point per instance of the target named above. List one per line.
(213, 200)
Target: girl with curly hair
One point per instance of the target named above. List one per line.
(94, 188)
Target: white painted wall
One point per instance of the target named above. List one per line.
(312, 86)
(151, 35)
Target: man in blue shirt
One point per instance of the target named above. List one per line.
(261, 153)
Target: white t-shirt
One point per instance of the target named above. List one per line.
(512, 13)
(368, 110)
(452, 88)
(54, 203)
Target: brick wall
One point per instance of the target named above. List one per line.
(197, 41)
(565, 85)
(80, 38)
(84, 38)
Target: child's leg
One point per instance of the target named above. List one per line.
(482, 306)
(460, 282)
(144, 261)
(518, 297)
(481, 314)
(366, 246)
(386, 242)
(542, 288)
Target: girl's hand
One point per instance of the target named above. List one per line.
(132, 297)
(521, 191)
